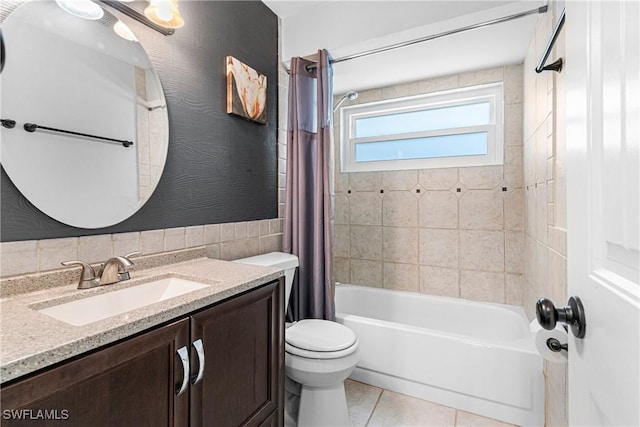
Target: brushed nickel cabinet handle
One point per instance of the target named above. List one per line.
(183, 354)
(197, 344)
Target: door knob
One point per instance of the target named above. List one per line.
(572, 315)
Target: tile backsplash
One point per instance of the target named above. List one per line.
(221, 241)
(455, 232)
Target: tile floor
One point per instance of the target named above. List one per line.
(373, 407)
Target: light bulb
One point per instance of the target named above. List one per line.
(123, 31)
(85, 9)
(164, 13)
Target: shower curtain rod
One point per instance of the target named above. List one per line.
(541, 9)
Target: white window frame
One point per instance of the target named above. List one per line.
(492, 93)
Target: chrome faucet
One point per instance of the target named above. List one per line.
(88, 277)
(115, 269)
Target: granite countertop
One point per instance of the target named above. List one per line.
(30, 340)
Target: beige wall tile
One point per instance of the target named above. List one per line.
(541, 155)
(481, 210)
(513, 131)
(438, 179)
(482, 286)
(342, 241)
(126, 243)
(399, 180)
(513, 84)
(440, 281)
(271, 243)
(529, 257)
(174, 239)
(513, 166)
(151, 242)
(400, 90)
(438, 209)
(365, 181)
(541, 213)
(542, 269)
(366, 242)
(211, 234)
(275, 226)
(490, 75)
(438, 84)
(399, 209)
(480, 177)
(367, 273)
(239, 249)
(514, 289)
(194, 236)
(343, 270)
(514, 252)
(365, 208)
(52, 252)
(342, 179)
(400, 277)
(439, 247)
(18, 257)
(342, 208)
(400, 244)
(557, 240)
(93, 249)
(264, 229)
(514, 210)
(213, 251)
(530, 211)
(228, 231)
(529, 159)
(253, 229)
(557, 276)
(482, 250)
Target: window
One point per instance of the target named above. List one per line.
(457, 128)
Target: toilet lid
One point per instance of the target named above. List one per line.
(319, 335)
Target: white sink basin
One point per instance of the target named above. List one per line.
(88, 310)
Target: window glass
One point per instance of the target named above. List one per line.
(469, 144)
(457, 128)
(424, 120)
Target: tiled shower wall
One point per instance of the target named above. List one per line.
(455, 232)
(545, 261)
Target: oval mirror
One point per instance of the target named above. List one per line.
(84, 120)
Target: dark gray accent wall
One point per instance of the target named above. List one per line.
(220, 168)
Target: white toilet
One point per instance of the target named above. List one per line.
(319, 355)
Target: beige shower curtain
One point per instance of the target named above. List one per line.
(308, 220)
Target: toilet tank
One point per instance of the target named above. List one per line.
(288, 262)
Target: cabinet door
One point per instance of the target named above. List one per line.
(131, 383)
(244, 369)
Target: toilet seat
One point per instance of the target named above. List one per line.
(320, 339)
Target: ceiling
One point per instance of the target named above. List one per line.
(346, 27)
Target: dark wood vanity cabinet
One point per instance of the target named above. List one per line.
(243, 377)
(135, 382)
(127, 384)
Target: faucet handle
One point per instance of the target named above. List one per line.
(132, 254)
(88, 277)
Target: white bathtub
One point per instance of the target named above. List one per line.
(474, 356)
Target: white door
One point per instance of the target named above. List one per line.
(603, 190)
